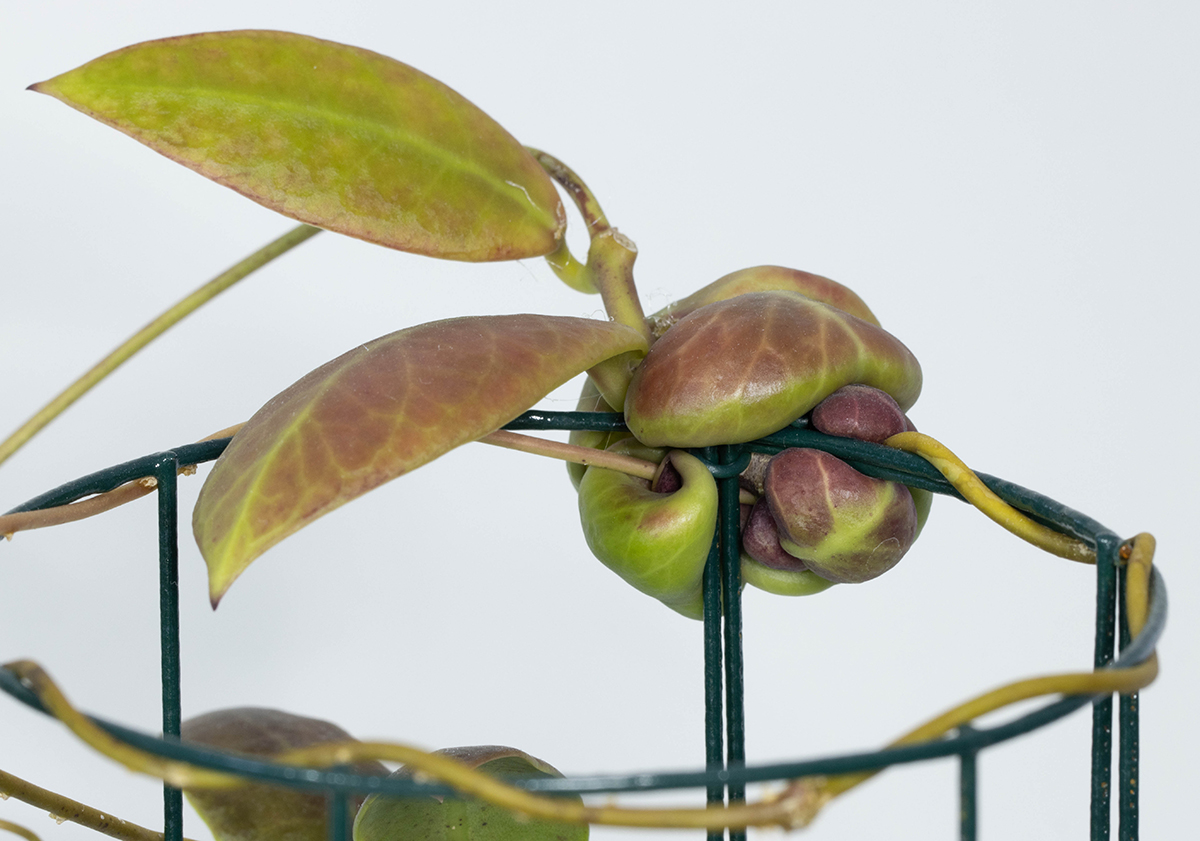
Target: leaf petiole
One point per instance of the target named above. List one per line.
(587, 456)
(584, 199)
(10, 524)
(609, 267)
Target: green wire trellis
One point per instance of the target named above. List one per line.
(726, 774)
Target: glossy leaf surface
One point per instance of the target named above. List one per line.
(745, 367)
(254, 812)
(765, 279)
(463, 819)
(332, 135)
(379, 411)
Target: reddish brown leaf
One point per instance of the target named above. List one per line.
(379, 411)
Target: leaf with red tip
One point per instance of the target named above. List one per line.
(335, 136)
(379, 411)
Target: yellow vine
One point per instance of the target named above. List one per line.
(978, 494)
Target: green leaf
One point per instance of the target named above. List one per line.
(335, 136)
(379, 411)
(255, 812)
(464, 819)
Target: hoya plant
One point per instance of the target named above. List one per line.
(345, 140)
(369, 147)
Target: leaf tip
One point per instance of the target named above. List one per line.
(220, 578)
(216, 593)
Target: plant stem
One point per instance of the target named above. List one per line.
(978, 494)
(174, 772)
(790, 809)
(610, 257)
(587, 456)
(152, 331)
(609, 267)
(10, 524)
(65, 808)
(1099, 682)
(796, 806)
(570, 271)
(589, 207)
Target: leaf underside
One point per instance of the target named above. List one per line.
(379, 411)
(328, 134)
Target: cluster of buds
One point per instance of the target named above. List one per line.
(739, 360)
(817, 514)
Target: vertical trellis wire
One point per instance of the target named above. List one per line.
(166, 474)
(723, 687)
(714, 745)
(1106, 616)
(1128, 763)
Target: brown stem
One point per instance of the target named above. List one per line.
(10, 524)
(587, 456)
(571, 452)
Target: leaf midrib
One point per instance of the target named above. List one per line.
(376, 128)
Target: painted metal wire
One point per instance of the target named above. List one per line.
(726, 774)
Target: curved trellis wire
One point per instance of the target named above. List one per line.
(726, 774)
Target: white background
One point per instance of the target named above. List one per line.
(1011, 187)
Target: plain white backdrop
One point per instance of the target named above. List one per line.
(1013, 189)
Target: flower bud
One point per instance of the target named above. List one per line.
(658, 542)
(767, 566)
(745, 367)
(860, 412)
(764, 279)
(847, 527)
(463, 818)
(254, 811)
